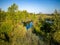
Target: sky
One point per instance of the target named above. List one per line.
(32, 6)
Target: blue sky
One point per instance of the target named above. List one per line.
(34, 6)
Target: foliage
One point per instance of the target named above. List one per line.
(12, 25)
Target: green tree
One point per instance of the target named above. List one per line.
(12, 13)
(56, 21)
(56, 25)
(13, 8)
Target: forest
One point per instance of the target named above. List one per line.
(24, 28)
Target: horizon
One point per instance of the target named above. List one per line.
(32, 6)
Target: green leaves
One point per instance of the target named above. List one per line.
(6, 27)
(11, 23)
(13, 8)
(57, 36)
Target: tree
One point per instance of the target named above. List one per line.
(13, 8)
(12, 13)
(56, 26)
(2, 15)
(56, 22)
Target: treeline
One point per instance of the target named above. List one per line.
(45, 27)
